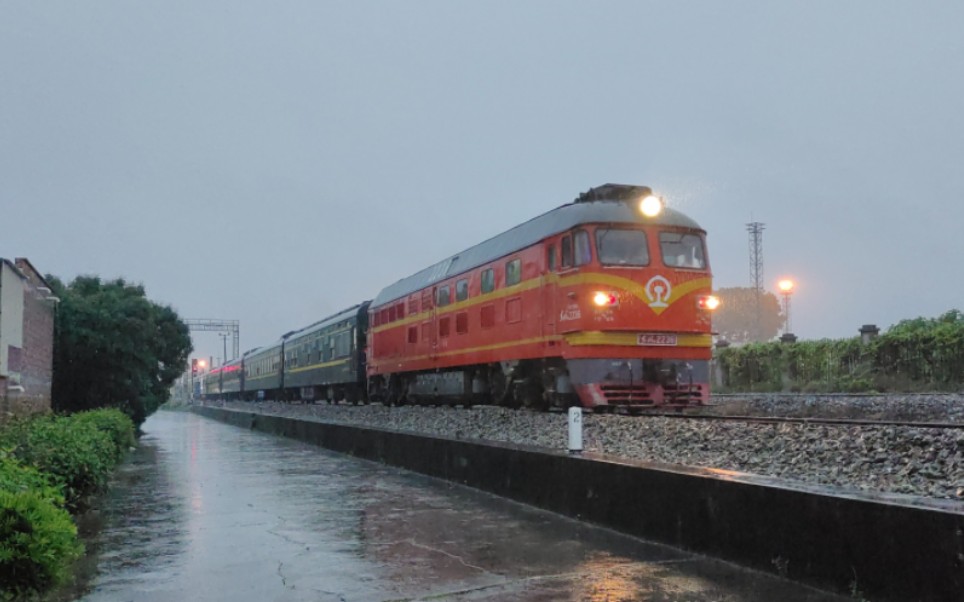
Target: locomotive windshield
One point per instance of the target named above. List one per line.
(682, 250)
(622, 247)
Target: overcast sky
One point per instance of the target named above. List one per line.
(274, 162)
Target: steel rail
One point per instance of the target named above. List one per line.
(808, 420)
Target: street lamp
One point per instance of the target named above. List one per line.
(786, 287)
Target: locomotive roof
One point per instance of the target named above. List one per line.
(604, 204)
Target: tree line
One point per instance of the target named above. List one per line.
(114, 348)
(921, 354)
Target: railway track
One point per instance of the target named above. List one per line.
(808, 420)
(751, 395)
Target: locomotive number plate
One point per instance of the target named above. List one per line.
(665, 340)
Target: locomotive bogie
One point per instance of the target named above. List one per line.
(632, 382)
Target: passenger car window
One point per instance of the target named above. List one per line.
(513, 272)
(622, 247)
(583, 247)
(682, 250)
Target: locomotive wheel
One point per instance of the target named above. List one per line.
(529, 395)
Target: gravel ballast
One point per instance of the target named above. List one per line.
(918, 461)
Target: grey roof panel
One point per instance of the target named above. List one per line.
(528, 233)
(346, 314)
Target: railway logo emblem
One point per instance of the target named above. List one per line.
(658, 290)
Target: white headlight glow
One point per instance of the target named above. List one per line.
(651, 206)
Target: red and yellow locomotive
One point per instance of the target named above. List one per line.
(604, 302)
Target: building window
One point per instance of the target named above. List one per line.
(583, 247)
(488, 280)
(462, 290)
(513, 272)
(567, 251)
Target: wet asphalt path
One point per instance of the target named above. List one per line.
(207, 511)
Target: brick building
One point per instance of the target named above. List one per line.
(27, 310)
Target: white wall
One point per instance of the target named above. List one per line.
(11, 315)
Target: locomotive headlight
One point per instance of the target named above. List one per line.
(651, 206)
(604, 299)
(709, 302)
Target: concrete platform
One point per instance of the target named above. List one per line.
(206, 511)
(881, 547)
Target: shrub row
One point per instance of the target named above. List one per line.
(920, 354)
(49, 466)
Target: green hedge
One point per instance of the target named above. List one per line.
(76, 453)
(49, 465)
(914, 355)
(116, 424)
(38, 539)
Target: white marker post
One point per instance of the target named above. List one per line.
(575, 430)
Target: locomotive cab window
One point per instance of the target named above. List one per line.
(513, 272)
(462, 290)
(551, 258)
(622, 247)
(583, 248)
(682, 250)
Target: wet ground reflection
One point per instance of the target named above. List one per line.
(206, 511)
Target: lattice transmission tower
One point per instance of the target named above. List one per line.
(756, 273)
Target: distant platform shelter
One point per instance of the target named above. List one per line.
(27, 310)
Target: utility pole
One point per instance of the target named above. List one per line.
(224, 339)
(756, 272)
